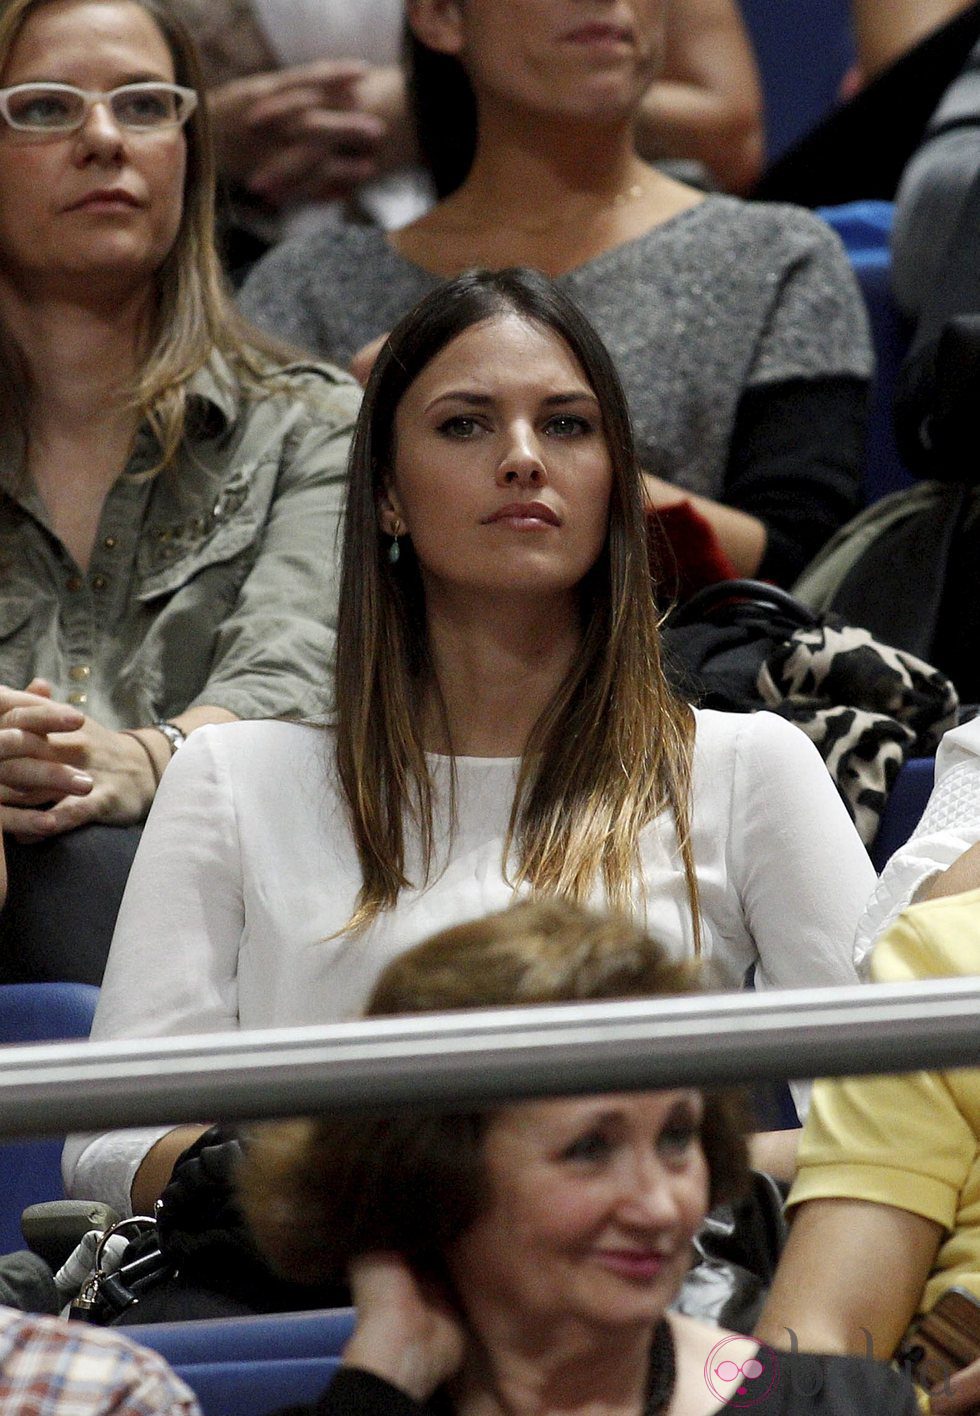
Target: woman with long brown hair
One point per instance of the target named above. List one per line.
(503, 726)
(165, 481)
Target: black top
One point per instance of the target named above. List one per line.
(791, 1384)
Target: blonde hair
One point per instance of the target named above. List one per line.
(192, 316)
(614, 747)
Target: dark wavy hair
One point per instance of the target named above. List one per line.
(319, 1193)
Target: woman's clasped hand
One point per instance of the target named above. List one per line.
(60, 769)
(33, 773)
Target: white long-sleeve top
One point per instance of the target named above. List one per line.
(949, 825)
(247, 872)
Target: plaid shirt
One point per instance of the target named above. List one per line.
(49, 1367)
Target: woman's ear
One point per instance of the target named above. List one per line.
(438, 24)
(390, 517)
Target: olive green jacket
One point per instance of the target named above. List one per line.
(214, 582)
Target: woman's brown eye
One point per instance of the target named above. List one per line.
(678, 1137)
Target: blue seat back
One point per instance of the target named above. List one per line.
(30, 1171)
(865, 229)
(256, 1388)
(321, 1332)
(803, 48)
(250, 1366)
(905, 805)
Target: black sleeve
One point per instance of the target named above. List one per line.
(805, 1384)
(354, 1392)
(794, 463)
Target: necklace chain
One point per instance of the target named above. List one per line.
(663, 1371)
(588, 212)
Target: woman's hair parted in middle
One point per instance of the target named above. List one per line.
(613, 748)
(192, 314)
(319, 1193)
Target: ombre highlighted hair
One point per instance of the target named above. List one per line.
(613, 748)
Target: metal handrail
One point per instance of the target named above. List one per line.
(479, 1057)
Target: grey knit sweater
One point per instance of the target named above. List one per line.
(726, 298)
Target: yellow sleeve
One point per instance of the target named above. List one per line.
(900, 1140)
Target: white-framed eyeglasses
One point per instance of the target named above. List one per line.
(62, 108)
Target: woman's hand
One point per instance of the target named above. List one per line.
(52, 753)
(742, 537)
(363, 361)
(309, 133)
(960, 1394)
(31, 771)
(407, 1331)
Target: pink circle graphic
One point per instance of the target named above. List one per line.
(737, 1356)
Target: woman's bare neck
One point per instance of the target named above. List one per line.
(497, 667)
(79, 355)
(549, 200)
(572, 1371)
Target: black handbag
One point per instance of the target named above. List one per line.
(196, 1258)
(867, 706)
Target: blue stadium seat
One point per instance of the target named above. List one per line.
(906, 803)
(256, 1388)
(249, 1366)
(30, 1171)
(803, 49)
(865, 229)
(289, 1336)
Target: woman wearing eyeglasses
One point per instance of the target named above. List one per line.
(169, 485)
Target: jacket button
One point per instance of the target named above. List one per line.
(99, 582)
(73, 583)
(110, 543)
(79, 672)
(77, 699)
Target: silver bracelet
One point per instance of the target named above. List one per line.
(174, 735)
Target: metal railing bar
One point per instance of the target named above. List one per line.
(480, 1057)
